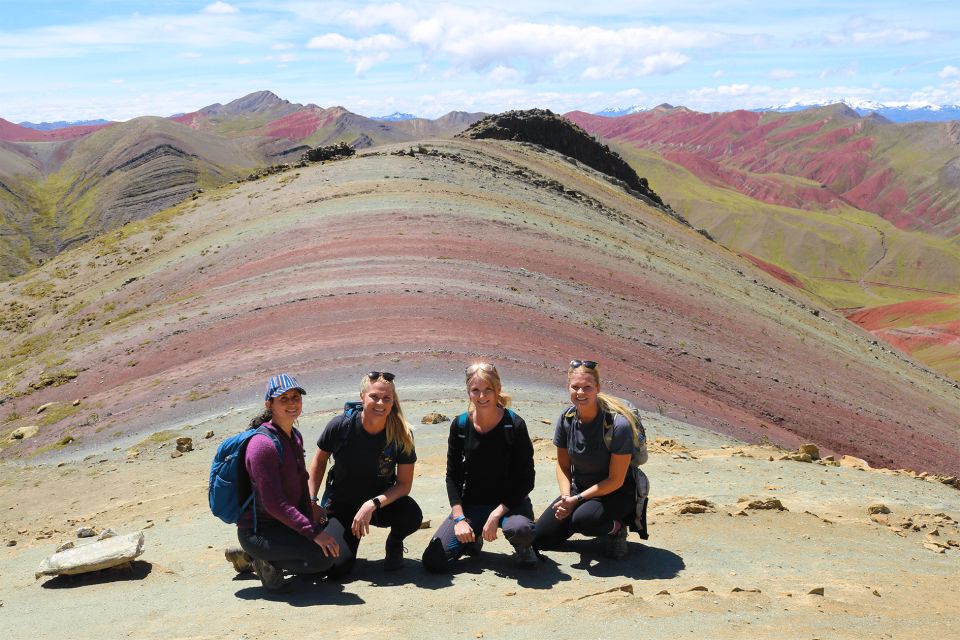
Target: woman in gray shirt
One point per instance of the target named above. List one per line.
(596, 490)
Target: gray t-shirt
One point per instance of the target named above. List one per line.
(589, 456)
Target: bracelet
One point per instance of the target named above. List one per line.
(376, 503)
(315, 500)
(459, 519)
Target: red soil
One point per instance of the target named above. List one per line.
(780, 274)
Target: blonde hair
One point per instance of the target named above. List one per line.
(398, 429)
(605, 401)
(491, 377)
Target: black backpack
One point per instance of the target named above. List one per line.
(388, 459)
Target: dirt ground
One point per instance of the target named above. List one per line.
(728, 572)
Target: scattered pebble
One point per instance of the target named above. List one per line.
(175, 453)
(86, 532)
(66, 545)
(878, 508)
(697, 588)
(434, 418)
(816, 591)
(208, 434)
(11, 543)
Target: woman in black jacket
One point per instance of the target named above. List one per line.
(489, 477)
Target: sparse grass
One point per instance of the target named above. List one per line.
(37, 288)
(157, 438)
(193, 396)
(595, 322)
(56, 413)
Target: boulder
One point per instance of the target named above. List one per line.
(855, 463)
(434, 418)
(22, 433)
(766, 503)
(811, 450)
(86, 532)
(878, 508)
(184, 444)
(95, 556)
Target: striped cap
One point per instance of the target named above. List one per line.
(280, 384)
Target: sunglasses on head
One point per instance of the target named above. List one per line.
(386, 375)
(489, 368)
(588, 364)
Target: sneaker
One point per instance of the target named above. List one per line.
(240, 559)
(526, 557)
(270, 576)
(617, 543)
(394, 558)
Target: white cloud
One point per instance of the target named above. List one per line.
(331, 41)
(949, 71)
(220, 8)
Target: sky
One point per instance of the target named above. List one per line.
(87, 59)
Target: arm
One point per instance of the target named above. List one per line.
(317, 470)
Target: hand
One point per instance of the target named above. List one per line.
(361, 522)
(490, 527)
(320, 515)
(464, 532)
(327, 544)
(564, 507)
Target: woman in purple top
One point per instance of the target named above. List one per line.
(279, 533)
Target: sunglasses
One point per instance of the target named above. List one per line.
(587, 364)
(386, 375)
(489, 368)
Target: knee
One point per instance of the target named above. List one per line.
(519, 531)
(434, 557)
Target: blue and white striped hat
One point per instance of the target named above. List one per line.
(280, 384)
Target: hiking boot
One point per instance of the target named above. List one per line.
(240, 559)
(526, 557)
(270, 576)
(394, 558)
(617, 543)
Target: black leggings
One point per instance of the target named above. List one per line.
(288, 550)
(403, 517)
(444, 548)
(594, 517)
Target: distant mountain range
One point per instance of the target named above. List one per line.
(895, 112)
(396, 116)
(60, 186)
(61, 124)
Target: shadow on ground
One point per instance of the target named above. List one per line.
(642, 563)
(137, 570)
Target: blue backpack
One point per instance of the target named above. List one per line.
(230, 492)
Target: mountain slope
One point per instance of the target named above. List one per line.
(908, 174)
(418, 262)
(59, 194)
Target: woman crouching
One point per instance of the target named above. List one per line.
(597, 494)
(370, 481)
(489, 476)
(279, 533)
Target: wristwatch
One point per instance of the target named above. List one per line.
(315, 500)
(376, 503)
(580, 498)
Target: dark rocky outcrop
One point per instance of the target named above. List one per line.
(543, 127)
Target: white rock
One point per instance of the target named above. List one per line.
(95, 556)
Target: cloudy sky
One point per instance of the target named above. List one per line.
(87, 59)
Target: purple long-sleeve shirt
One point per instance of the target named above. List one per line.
(281, 488)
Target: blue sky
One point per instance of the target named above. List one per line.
(106, 58)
